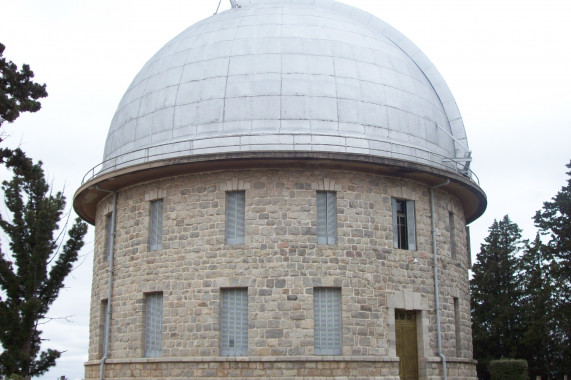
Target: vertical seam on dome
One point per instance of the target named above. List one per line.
(137, 118)
(282, 71)
(223, 121)
(335, 78)
(176, 100)
(457, 142)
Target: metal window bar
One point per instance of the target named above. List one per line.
(404, 224)
(401, 225)
(410, 225)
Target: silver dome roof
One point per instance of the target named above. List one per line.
(296, 75)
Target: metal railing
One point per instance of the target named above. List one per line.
(185, 148)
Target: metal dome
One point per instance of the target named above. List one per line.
(296, 76)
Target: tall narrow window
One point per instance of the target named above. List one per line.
(234, 322)
(404, 224)
(156, 225)
(235, 217)
(326, 217)
(103, 323)
(469, 250)
(108, 235)
(327, 321)
(153, 324)
(452, 236)
(457, 327)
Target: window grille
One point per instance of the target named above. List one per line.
(153, 324)
(327, 321)
(452, 236)
(326, 217)
(234, 322)
(404, 224)
(457, 327)
(235, 217)
(468, 247)
(103, 322)
(156, 225)
(108, 235)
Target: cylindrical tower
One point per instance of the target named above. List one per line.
(277, 184)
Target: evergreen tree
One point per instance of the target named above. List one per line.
(32, 274)
(18, 93)
(495, 295)
(537, 310)
(554, 221)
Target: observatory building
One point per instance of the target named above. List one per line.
(284, 193)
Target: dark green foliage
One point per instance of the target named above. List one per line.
(32, 274)
(495, 295)
(531, 292)
(508, 369)
(18, 93)
(537, 313)
(554, 222)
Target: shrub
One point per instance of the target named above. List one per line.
(508, 369)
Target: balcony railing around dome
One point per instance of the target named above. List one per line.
(395, 150)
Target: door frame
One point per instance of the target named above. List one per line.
(410, 301)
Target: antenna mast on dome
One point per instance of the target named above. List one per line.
(233, 3)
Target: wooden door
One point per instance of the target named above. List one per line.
(406, 345)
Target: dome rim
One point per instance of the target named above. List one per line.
(92, 191)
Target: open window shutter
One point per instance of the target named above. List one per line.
(395, 225)
(153, 325)
(411, 225)
(234, 322)
(331, 217)
(327, 321)
(321, 217)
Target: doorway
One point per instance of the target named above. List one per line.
(406, 344)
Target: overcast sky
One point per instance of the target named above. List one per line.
(508, 64)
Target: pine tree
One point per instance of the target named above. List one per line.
(32, 273)
(495, 295)
(554, 221)
(538, 317)
(18, 93)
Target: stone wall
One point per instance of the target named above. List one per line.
(280, 264)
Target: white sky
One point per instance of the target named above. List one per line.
(508, 64)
